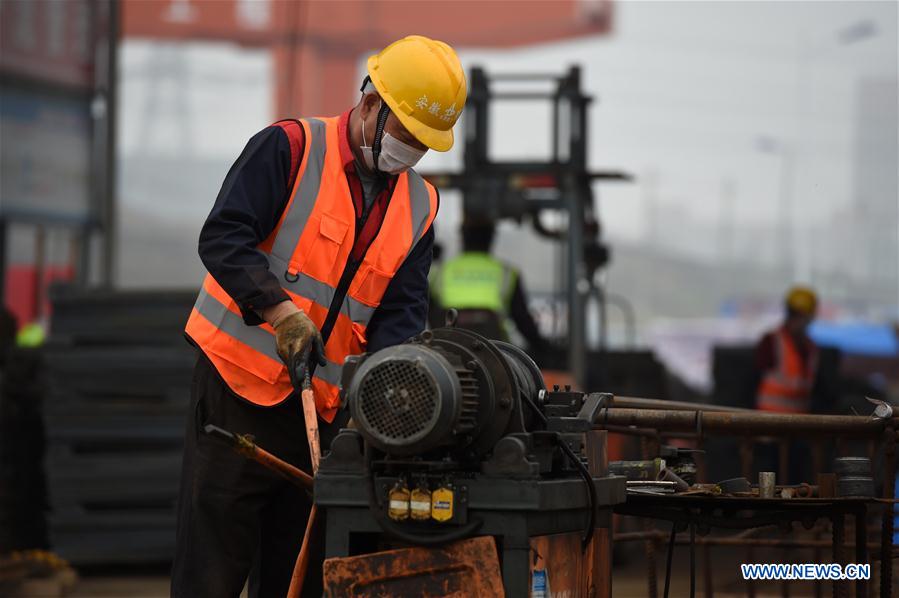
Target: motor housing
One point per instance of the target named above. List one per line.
(448, 389)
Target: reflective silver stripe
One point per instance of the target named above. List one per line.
(330, 373)
(781, 376)
(259, 339)
(421, 205)
(301, 206)
(356, 310)
(794, 404)
(318, 291)
(304, 285)
(292, 228)
(789, 382)
(233, 325)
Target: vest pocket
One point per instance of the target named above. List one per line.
(319, 262)
(369, 284)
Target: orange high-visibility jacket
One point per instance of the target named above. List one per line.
(308, 251)
(787, 388)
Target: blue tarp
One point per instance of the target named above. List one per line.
(856, 338)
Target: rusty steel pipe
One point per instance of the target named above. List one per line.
(649, 433)
(643, 403)
(751, 423)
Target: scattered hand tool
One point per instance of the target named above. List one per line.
(650, 487)
(679, 484)
(245, 445)
(767, 482)
(882, 409)
(734, 485)
(854, 476)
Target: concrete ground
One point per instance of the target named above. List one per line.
(124, 584)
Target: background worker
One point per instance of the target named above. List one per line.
(786, 358)
(786, 363)
(318, 245)
(486, 291)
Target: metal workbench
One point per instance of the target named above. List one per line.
(699, 514)
(513, 511)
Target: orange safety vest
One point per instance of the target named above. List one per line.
(787, 388)
(308, 251)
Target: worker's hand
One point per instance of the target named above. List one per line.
(297, 337)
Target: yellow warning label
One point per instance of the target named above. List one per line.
(442, 504)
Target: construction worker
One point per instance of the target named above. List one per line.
(786, 365)
(485, 291)
(786, 358)
(318, 245)
(31, 335)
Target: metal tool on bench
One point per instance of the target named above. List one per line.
(854, 476)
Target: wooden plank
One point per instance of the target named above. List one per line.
(599, 553)
(563, 562)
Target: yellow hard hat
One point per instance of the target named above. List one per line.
(802, 300)
(423, 83)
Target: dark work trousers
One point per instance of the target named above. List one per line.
(236, 518)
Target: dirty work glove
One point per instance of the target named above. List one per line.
(299, 343)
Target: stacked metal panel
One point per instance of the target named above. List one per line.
(23, 494)
(119, 373)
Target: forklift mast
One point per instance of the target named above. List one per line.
(522, 190)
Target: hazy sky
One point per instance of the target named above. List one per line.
(685, 92)
(686, 89)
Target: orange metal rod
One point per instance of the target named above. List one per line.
(302, 564)
(246, 446)
(312, 435)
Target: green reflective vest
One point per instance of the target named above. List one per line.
(30, 336)
(474, 281)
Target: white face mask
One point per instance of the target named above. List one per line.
(395, 156)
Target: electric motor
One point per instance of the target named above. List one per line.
(448, 389)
